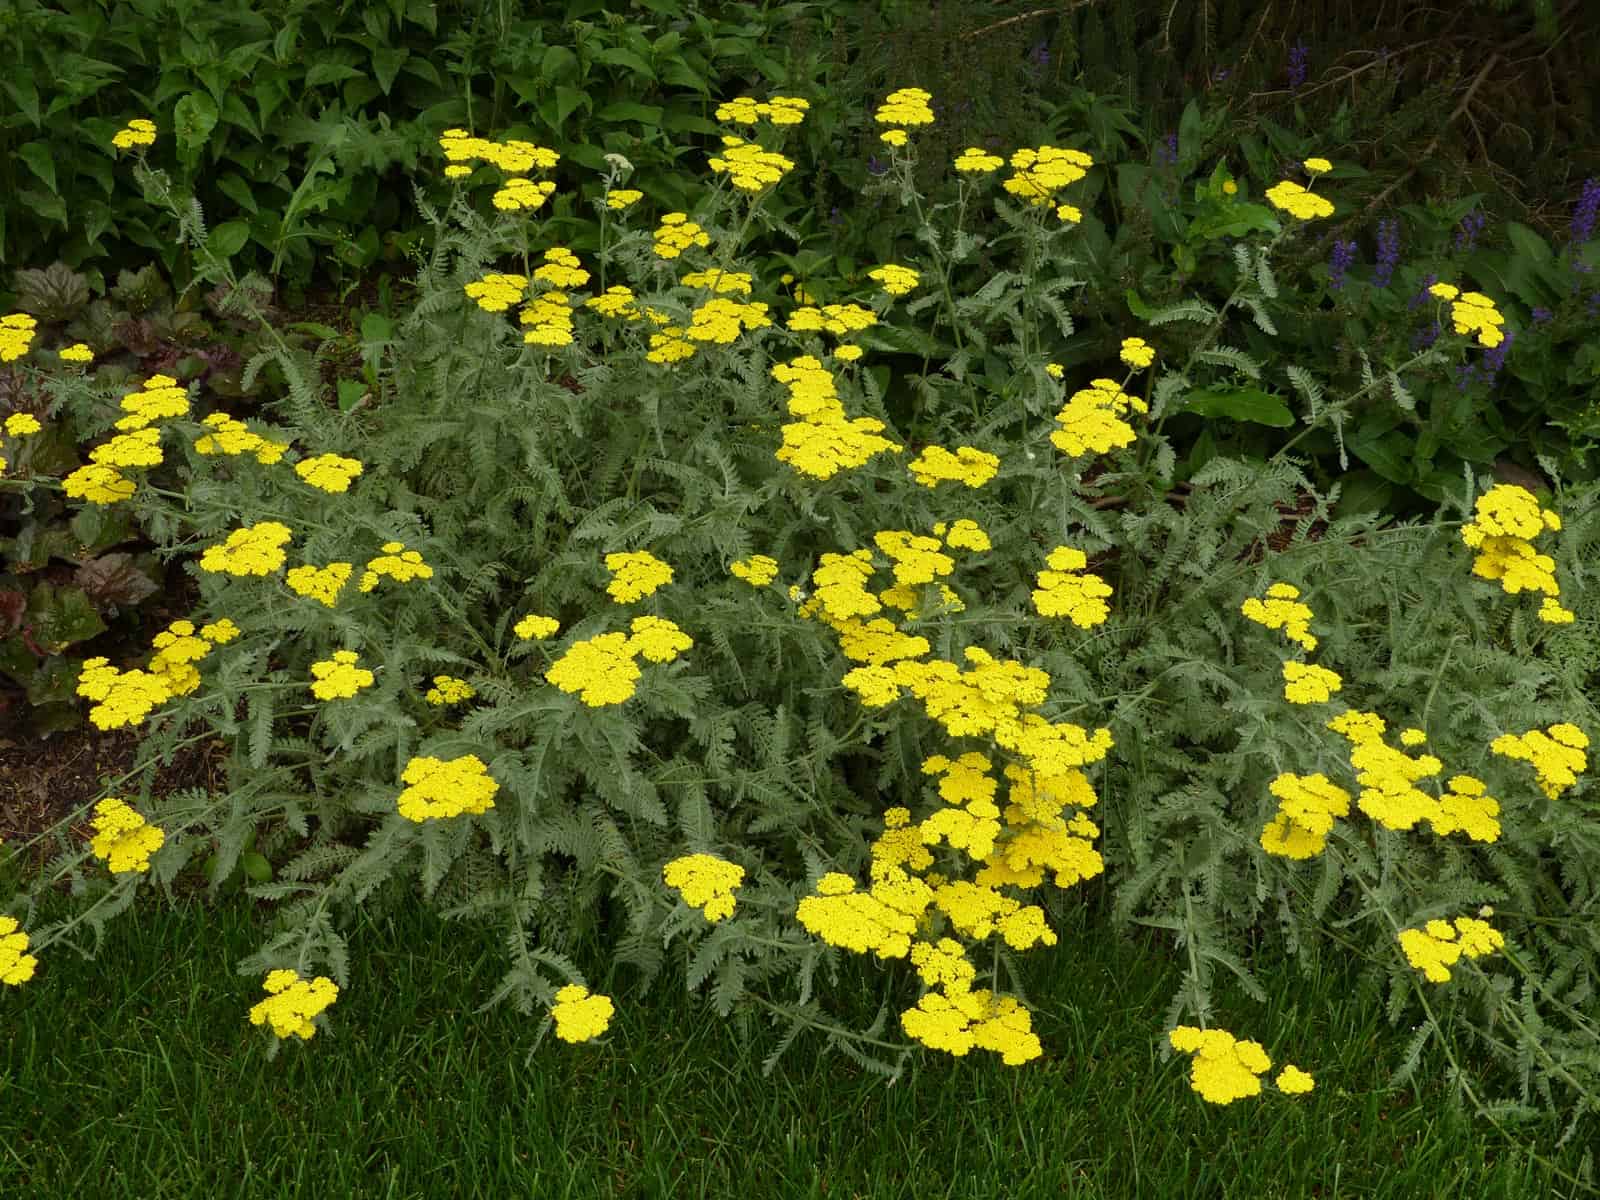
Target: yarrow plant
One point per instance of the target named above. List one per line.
(675, 624)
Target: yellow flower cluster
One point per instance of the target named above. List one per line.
(1389, 777)
(328, 472)
(561, 269)
(1065, 590)
(1298, 202)
(758, 570)
(161, 397)
(621, 198)
(1307, 806)
(338, 677)
(1557, 754)
(520, 194)
(77, 352)
(720, 282)
(1038, 174)
(837, 319)
(536, 627)
(16, 335)
(676, 234)
(126, 697)
(512, 156)
(1438, 945)
(657, 639)
(1137, 353)
(780, 110)
(1304, 683)
(905, 106)
(604, 669)
(749, 166)
(705, 882)
(721, 321)
(16, 967)
(98, 485)
(447, 689)
(230, 436)
(1282, 610)
(445, 788)
(141, 448)
(635, 574)
(1225, 1068)
(396, 563)
(861, 921)
(252, 550)
(292, 1002)
(963, 534)
(548, 318)
(1091, 419)
(100, 482)
(968, 465)
(122, 838)
(896, 280)
(600, 669)
(822, 441)
(616, 301)
(580, 1016)
(22, 425)
(497, 292)
(958, 1019)
(178, 649)
(322, 584)
(916, 558)
(1472, 311)
(141, 131)
(975, 161)
(1505, 521)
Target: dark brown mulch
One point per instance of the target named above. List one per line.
(42, 782)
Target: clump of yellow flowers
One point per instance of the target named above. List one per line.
(1225, 1068)
(1435, 947)
(706, 882)
(123, 839)
(16, 966)
(580, 1016)
(1506, 520)
(293, 1003)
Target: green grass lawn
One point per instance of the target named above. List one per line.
(139, 1075)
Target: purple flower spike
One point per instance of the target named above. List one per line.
(1167, 152)
(1587, 212)
(1299, 64)
(1426, 337)
(1495, 357)
(1471, 226)
(1541, 315)
(1344, 254)
(875, 166)
(1421, 297)
(1388, 251)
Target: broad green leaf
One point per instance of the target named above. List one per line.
(228, 239)
(329, 72)
(629, 110)
(386, 63)
(568, 99)
(616, 56)
(37, 155)
(255, 866)
(1240, 404)
(236, 189)
(193, 119)
(63, 616)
